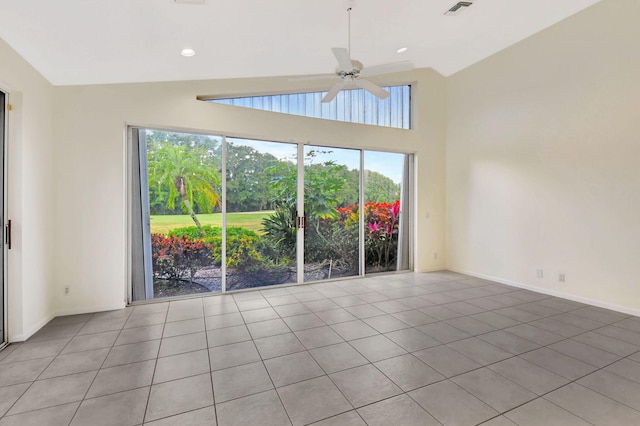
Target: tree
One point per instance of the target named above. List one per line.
(249, 173)
(350, 192)
(209, 143)
(323, 182)
(185, 173)
(378, 188)
(158, 195)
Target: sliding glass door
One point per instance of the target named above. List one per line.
(176, 216)
(386, 211)
(261, 196)
(331, 206)
(215, 214)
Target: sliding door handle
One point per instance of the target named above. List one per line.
(7, 234)
(301, 222)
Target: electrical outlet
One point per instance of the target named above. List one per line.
(539, 273)
(561, 277)
(66, 290)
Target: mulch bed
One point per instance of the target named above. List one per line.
(209, 280)
(167, 288)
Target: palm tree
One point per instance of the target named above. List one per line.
(187, 173)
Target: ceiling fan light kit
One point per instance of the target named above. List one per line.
(351, 71)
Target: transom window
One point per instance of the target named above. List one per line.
(353, 106)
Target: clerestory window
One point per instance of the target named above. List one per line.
(353, 106)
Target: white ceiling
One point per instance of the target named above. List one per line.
(114, 41)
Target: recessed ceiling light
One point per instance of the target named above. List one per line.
(188, 52)
(402, 50)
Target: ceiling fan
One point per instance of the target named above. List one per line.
(351, 72)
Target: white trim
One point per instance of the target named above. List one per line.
(128, 237)
(31, 331)
(271, 138)
(434, 269)
(4, 279)
(6, 87)
(300, 212)
(563, 295)
(223, 211)
(89, 310)
(75, 311)
(361, 202)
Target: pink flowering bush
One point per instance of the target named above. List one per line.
(178, 257)
(382, 221)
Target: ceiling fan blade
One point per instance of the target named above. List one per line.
(387, 68)
(343, 58)
(315, 77)
(372, 88)
(333, 92)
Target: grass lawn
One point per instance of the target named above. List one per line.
(161, 224)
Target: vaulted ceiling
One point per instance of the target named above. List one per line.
(114, 41)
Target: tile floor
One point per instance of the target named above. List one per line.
(410, 349)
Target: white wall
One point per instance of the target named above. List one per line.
(543, 160)
(31, 199)
(90, 173)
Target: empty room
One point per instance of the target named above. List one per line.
(320, 213)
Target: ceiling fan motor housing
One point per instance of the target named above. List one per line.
(354, 72)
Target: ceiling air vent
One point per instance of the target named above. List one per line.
(458, 7)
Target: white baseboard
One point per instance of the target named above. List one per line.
(435, 269)
(90, 309)
(84, 310)
(32, 330)
(568, 296)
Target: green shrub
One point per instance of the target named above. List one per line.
(280, 233)
(346, 245)
(194, 233)
(246, 250)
